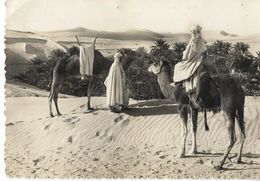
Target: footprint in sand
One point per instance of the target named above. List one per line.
(119, 118)
(105, 134)
(70, 119)
(9, 124)
(73, 110)
(110, 138)
(47, 127)
(97, 133)
(125, 123)
(75, 121)
(70, 140)
(158, 152)
(163, 156)
(36, 161)
(199, 161)
(96, 159)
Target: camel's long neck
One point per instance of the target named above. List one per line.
(164, 81)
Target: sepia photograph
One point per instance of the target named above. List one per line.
(131, 89)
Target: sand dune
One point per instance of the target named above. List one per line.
(21, 47)
(141, 142)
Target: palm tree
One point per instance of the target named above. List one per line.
(241, 47)
(220, 48)
(37, 60)
(73, 50)
(258, 54)
(178, 49)
(57, 54)
(161, 51)
(242, 58)
(159, 48)
(141, 51)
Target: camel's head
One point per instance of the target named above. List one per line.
(128, 57)
(156, 67)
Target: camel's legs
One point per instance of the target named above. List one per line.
(194, 118)
(232, 138)
(90, 89)
(184, 117)
(240, 120)
(55, 97)
(50, 97)
(57, 81)
(242, 140)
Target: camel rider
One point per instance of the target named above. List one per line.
(186, 71)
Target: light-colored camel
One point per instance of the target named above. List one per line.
(70, 67)
(229, 96)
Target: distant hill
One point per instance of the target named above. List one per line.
(134, 34)
(131, 34)
(21, 47)
(177, 37)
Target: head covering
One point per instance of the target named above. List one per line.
(196, 28)
(117, 55)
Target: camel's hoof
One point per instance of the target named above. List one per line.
(51, 115)
(218, 167)
(88, 110)
(193, 152)
(239, 161)
(59, 114)
(206, 128)
(181, 155)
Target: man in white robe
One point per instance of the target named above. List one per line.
(192, 58)
(186, 71)
(117, 95)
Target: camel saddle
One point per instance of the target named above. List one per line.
(206, 95)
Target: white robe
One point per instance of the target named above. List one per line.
(86, 59)
(117, 95)
(192, 58)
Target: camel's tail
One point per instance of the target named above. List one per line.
(205, 120)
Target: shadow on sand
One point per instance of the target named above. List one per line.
(231, 155)
(203, 154)
(152, 108)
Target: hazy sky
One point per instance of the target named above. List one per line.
(233, 16)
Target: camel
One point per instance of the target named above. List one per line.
(228, 95)
(69, 66)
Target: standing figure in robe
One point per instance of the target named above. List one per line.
(116, 91)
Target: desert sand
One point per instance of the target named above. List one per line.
(142, 142)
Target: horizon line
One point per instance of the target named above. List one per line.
(121, 31)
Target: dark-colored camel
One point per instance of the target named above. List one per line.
(70, 67)
(228, 95)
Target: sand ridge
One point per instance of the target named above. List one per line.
(142, 142)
